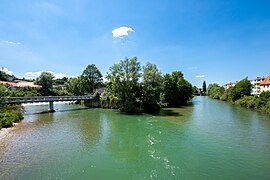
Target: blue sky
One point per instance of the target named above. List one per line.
(212, 40)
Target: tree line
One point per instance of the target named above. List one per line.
(133, 87)
(240, 94)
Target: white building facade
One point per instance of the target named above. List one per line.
(256, 87)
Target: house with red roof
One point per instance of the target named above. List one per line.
(265, 84)
(20, 84)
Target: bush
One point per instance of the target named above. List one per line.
(223, 97)
(10, 114)
(25, 92)
(264, 102)
(247, 101)
(7, 119)
(59, 92)
(261, 102)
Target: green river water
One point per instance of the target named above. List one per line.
(207, 140)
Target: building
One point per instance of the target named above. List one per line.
(101, 91)
(21, 84)
(11, 84)
(265, 85)
(259, 85)
(256, 88)
(231, 84)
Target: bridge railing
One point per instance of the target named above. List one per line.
(43, 99)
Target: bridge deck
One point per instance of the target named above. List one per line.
(18, 100)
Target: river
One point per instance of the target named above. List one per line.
(207, 140)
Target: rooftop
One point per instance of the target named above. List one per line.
(21, 84)
(266, 81)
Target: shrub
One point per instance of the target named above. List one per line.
(247, 101)
(10, 114)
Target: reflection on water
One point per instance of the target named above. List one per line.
(207, 140)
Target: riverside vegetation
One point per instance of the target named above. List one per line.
(9, 114)
(240, 95)
(132, 88)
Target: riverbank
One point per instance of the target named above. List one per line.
(5, 132)
(240, 95)
(252, 102)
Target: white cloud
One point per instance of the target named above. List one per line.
(6, 70)
(122, 31)
(11, 43)
(59, 75)
(201, 76)
(34, 75)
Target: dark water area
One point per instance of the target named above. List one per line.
(208, 140)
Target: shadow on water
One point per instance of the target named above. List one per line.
(162, 112)
(194, 103)
(168, 112)
(70, 110)
(57, 111)
(130, 114)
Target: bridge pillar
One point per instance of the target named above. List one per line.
(51, 107)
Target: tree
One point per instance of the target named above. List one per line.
(77, 86)
(176, 89)
(195, 90)
(152, 79)
(123, 84)
(241, 89)
(46, 81)
(25, 91)
(3, 76)
(93, 76)
(4, 90)
(204, 87)
(60, 81)
(226, 94)
(215, 91)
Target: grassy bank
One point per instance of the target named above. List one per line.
(261, 102)
(10, 114)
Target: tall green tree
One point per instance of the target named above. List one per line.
(46, 81)
(204, 87)
(77, 86)
(152, 89)
(93, 76)
(123, 84)
(241, 89)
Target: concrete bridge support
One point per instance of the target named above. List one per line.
(51, 107)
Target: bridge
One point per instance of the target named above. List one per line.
(50, 99)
